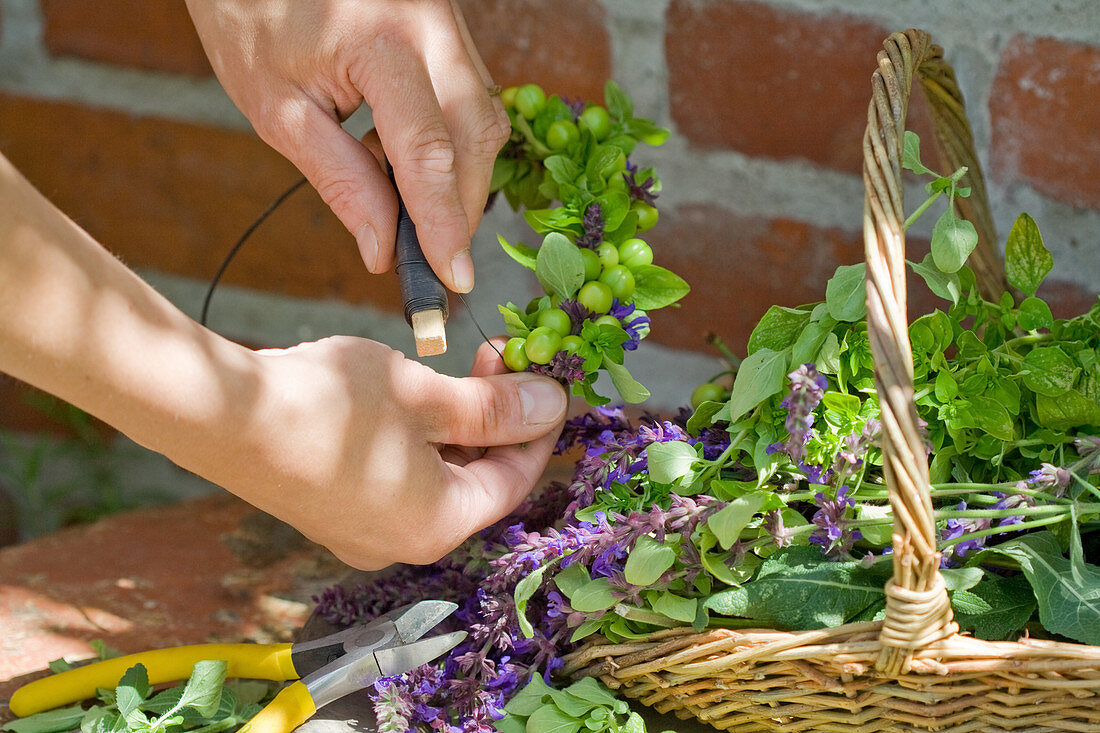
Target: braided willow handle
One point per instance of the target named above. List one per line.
(918, 612)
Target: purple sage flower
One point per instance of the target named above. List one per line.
(960, 528)
(807, 389)
(833, 534)
(1050, 478)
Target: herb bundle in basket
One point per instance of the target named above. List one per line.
(874, 525)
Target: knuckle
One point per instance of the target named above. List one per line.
(490, 407)
(338, 191)
(490, 131)
(433, 152)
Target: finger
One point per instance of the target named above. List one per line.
(345, 173)
(481, 411)
(419, 146)
(372, 143)
(489, 488)
(488, 361)
(478, 123)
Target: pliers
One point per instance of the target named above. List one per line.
(327, 668)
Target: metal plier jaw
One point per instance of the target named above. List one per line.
(387, 646)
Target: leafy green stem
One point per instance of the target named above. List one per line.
(921, 209)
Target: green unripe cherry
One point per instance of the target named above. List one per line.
(621, 281)
(571, 343)
(542, 344)
(556, 319)
(608, 321)
(595, 296)
(592, 264)
(617, 182)
(508, 97)
(647, 215)
(595, 118)
(562, 134)
(515, 358)
(608, 254)
(634, 253)
(529, 100)
(708, 392)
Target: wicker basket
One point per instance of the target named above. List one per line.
(913, 671)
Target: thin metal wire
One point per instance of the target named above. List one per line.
(478, 325)
(259, 220)
(240, 242)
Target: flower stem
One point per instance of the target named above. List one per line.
(1002, 530)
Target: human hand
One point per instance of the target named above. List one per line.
(378, 457)
(296, 70)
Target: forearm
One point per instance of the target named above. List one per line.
(77, 323)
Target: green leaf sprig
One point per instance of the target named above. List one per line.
(598, 275)
(205, 703)
(586, 705)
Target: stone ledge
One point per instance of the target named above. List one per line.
(211, 569)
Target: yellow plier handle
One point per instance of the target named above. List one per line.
(255, 661)
(290, 708)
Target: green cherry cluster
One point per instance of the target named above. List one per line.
(567, 165)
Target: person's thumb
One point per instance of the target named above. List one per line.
(345, 173)
(497, 410)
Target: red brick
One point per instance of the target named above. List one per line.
(1068, 299)
(149, 34)
(561, 44)
(175, 197)
(770, 82)
(1045, 112)
(739, 266)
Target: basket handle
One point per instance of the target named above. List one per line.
(918, 612)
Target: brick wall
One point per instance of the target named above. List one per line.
(111, 109)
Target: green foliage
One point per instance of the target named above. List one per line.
(1068, 597)
(583, 705)
(798, 588)
(205, 702)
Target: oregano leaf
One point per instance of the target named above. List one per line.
(648, 561)
(953, 239)
(655, 287)
(559, 265)
(910, 156)
(630, 389)
(759, 377)
(846, 293)
(1027, 260)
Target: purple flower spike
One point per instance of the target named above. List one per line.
(593, 223)
(807, 389)
(833, 534)
(564, 367)
(1050, 478)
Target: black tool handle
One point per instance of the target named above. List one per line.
(420, 287)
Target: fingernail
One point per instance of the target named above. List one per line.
(541, 401)
(368, 246)
(462, 271)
